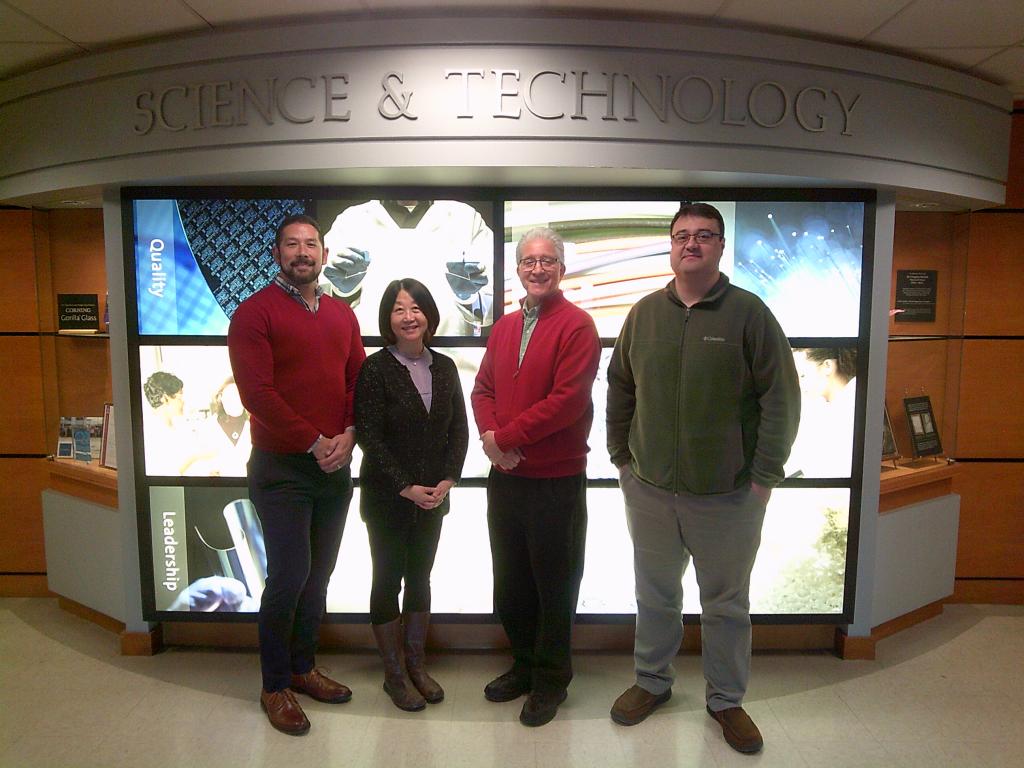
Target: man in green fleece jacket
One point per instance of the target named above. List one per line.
(703, 407)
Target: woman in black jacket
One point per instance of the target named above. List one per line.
(411, 426)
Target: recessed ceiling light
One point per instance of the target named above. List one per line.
(926, 205)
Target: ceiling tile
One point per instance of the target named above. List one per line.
(677, 7)
(1006, 67)
(16, 27)
(21, 57)
(954, 23)
(844, 19)
(959, 58)
(102, 22)
(218, 12)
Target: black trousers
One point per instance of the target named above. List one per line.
(538, 529)
(404, 553)
(302, 511)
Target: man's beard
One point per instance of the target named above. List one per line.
(295, 278)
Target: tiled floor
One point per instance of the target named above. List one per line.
(949, 692)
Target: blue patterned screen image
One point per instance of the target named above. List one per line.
(196, 260)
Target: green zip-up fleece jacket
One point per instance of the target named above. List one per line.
(706, 399)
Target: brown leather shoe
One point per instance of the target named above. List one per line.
(318, 685)
(284, 712)
(636, 704)
(739, 730)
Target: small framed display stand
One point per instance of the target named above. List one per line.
(924, 435)
(890, 451)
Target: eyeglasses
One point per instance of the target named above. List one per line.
(546, 262)
(703, 237)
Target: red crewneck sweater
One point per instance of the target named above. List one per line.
(296, 371)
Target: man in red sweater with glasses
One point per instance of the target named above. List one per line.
(533, 409)
(295, 356)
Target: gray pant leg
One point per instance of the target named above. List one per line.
(659, 559)
(723, 533)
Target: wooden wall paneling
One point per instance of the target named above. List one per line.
(991, 541)
(924, 241)
(44, 272)
(50, 391)
(915, 367)
(21, 407)
(77, 252)
(84, 383)
(951, 410)
(21, 515)
(19, 308)
(995, 275)
(958, 277)
(1015, 173)
(991, 414)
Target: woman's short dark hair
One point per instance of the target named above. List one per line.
(160, 385)
(419, 293)
(700, 211)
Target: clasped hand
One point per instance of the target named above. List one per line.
(426, 497)
(502, 459)
(333, 453)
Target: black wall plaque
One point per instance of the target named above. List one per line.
(916, 291)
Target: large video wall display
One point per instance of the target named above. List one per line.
(197, 254)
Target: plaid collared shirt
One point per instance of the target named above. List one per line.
(294, 292)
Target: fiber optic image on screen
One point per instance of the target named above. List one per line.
(447, 245)
(804, 260)
(196, 260)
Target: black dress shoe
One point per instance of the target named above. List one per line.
(541, 707)
(507, 687)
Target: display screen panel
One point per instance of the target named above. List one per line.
(828, 406)
(211, 559)
(803, 259)
(448, 245)
(194, 258)
(194, 424)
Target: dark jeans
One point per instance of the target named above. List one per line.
(302, 511)
(538, 529)
(398, 553)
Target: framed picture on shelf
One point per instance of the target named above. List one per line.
(889, 449)
(924, 435)
(108, 450)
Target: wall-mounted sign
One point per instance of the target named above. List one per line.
(78, 312)
(916, 292)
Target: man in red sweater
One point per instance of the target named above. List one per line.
(533, 409)
(295, 356)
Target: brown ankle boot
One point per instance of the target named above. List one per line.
(397, 684)
(416, 625)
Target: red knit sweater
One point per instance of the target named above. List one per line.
(296, 371)
(542, 407)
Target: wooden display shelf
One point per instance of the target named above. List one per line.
(84, 480)
(908, 484)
